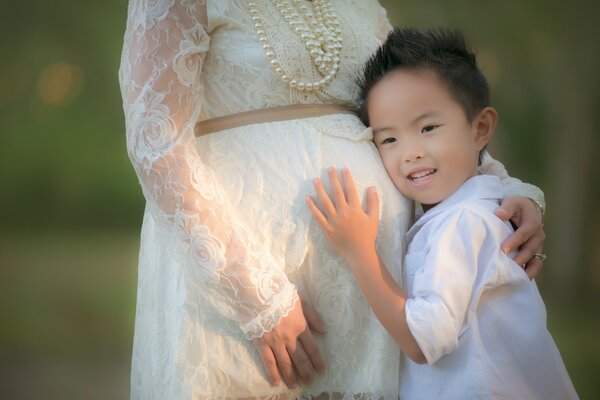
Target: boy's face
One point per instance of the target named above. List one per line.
(427, 144)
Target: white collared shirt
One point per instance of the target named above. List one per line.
(477, 317)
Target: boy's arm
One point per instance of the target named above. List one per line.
(387, 299)
(353, 233)
(460, 262)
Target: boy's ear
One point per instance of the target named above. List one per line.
(484, 125)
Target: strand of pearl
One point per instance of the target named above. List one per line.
(319, 30)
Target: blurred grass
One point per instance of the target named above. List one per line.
(67, 303)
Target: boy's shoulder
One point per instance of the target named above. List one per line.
(464, 216)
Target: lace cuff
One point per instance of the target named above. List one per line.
(280, 306)
(511, 186)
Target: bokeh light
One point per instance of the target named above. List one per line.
(60, 83)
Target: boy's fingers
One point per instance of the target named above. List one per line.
(324, 198)
(351, 193)
(373, 203)
(336, 188)
(319, 217)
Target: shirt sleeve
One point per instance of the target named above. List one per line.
(439, 303)
(160, 77)
(511, 186)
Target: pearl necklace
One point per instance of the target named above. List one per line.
(319, 30)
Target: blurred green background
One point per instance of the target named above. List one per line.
(71, 207)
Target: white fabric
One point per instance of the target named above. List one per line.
(227, 239)
(477, 317)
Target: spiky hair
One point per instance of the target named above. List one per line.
(442, 51)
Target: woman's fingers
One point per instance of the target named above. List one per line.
(286, 368)
(289, 348)
(529, 236)
(534, 267)
(502, 214)
(523, 213)
(313, 319)
(530, 247)
(301, 362)
(268, 359)
(312, 351)
(512, 207)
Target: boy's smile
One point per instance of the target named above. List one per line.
(427, 144)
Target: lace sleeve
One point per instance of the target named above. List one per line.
(511, 186)
(164, 49)
(383, 25)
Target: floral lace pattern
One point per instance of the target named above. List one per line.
(227, 240)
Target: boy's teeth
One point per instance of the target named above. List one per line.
(422, 174)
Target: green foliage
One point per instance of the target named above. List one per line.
(63, 161)
(68, 297)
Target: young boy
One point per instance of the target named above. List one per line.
(468, 310)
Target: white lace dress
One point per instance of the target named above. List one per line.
(227, 240)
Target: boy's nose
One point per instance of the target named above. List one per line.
(413, 150)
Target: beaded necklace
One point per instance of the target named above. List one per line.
(317, 26)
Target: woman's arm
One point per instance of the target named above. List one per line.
(164, 50)
(524, 205)
(383, 23)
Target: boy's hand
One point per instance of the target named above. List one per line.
(348, 228)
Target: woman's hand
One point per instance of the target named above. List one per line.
(291, 345)
(529, 236)
(349, 229)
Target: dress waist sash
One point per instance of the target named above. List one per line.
(272, 114)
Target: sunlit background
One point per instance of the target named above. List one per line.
(70, 205)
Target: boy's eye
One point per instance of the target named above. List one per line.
(388, 140)
(428, 128)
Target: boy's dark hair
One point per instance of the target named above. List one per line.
(442, 51)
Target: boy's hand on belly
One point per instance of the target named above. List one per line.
(350, 230)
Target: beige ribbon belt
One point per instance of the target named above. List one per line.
(283, 113)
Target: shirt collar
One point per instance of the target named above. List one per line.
(486, 187)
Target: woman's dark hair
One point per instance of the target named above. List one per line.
(442, 51)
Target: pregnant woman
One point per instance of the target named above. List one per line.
(232, 108)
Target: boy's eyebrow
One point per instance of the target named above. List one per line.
(383, 128)
(427, 114)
